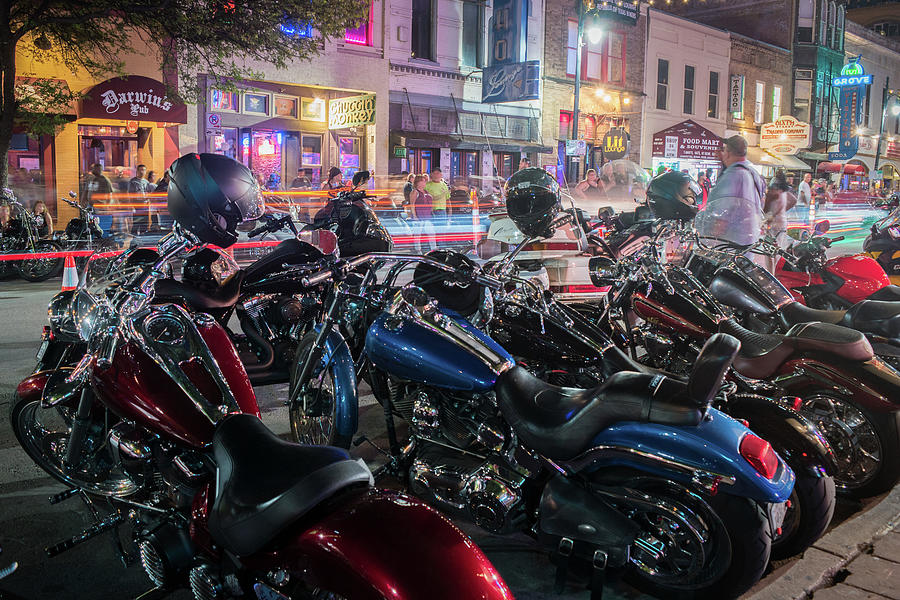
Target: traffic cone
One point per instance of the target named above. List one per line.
(70, 274)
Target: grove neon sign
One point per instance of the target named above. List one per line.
(852, 74)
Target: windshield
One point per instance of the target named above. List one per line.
(618, 184)
(889, 221)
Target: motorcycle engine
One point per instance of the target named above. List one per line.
(482, 490)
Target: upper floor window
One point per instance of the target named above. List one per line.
(422, 28)
(759, 107)
(662, 84)
(887, 28)
(602, 61)
(712, 107)
(839, 46)
(806, 13)
(776, 102)
(831, 39)
(688, 90)
(472, 34)
(362, 35)
(823, 25)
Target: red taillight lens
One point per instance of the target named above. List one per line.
(758, 452)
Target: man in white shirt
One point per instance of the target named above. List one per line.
(804, 193)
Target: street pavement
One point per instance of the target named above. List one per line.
(28, 522)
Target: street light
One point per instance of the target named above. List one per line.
(595, 34)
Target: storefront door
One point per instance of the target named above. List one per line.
(505, 163)
(349, 156)
(421, 160)
(463, 163)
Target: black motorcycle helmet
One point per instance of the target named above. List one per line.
(672, 196)
(532, 201)
(209, 194)
(460, 295)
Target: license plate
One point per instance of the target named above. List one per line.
(42, 350)
(776, 514)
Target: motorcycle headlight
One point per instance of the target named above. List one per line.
(62, 316)
(604, 271)
(87, 312)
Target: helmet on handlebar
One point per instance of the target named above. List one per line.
(458, 294)
(209, 194)
(672, 196)
(532, 201)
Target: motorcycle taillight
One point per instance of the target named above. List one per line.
(759, 453)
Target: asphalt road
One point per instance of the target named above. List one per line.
(28, 522)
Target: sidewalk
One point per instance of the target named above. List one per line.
(858, 560)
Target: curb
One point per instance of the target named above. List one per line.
(833, 552)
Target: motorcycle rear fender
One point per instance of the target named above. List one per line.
(345, 398)
(703, 454)
(872, 384)
(364, 550)
(793, 436)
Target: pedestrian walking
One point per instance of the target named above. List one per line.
(591, 187)
(421, 205)
(733, 211)
(440, 193)
(820, 194)
(804, 192)
(779, 199)
(138, 188)
(334, 180)
(705, 186)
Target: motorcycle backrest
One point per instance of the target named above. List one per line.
(711, 366)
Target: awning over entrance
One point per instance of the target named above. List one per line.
(417, 139)
(687, 140)
(830, 167)
(133, 98)
(758, 156)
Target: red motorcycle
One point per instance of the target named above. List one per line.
(831, 283)
(159, 419)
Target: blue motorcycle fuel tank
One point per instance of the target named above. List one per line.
(428, 346)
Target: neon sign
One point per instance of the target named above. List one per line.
(852, 74)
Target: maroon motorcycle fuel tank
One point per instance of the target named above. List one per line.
(143, 382)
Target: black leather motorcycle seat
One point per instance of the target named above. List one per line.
(761, 353)
(796, 312)
(223, 296)
(560, 423)
(889, 292)
(874, 316)
(290, 251)
(264, 483)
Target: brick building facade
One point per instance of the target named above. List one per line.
(766, 70)
(611, 88)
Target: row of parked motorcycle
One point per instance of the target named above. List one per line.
(692, 425)
(80, 234)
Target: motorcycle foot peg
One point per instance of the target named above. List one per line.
(64, 495)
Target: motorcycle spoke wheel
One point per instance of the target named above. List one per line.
(315, 424)
(39, 269)
(851, 435)
(44, 432)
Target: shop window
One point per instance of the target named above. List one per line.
(255, 103)
(688, 90)
(220, 101)
(802, 95)
(472, 34)
(806, 11)
(421, 160)
(760, 102)
(505, 164)
(602, 61)
(565, 125)
(494, 126)
(265, 157)
(517, 128)
(422, 26)
(27, 176)
(662, 84)
(712, 107)
(311, 153)
(286, 106)
(348, 155)
(776, 102)
(312, 109)
(463, 163)
(226, 143)
(362, 35)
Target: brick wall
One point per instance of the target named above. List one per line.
(770, 21)
(758, 61)
(558, 89)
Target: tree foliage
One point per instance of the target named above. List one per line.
(217, 37)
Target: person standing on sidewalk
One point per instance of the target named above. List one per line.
(804, 192)
(138, 188)
(440, 193)
(733, 211)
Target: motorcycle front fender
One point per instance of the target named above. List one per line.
(32, 387)
(709, 452)
(337, 353)
(364, 550)
(792, 435)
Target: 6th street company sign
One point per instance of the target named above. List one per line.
(352, 111)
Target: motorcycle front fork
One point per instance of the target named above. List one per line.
(81, 423)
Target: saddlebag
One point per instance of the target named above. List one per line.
(583, 530)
